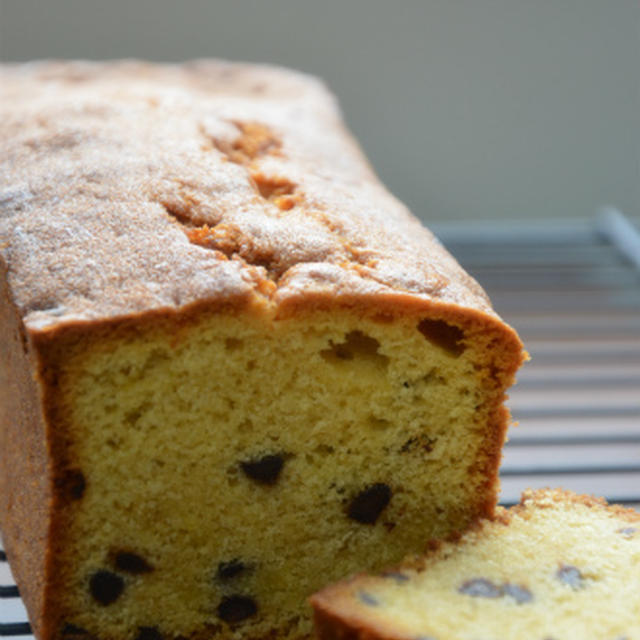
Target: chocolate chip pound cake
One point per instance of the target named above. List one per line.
(233, 366)
(559, 566)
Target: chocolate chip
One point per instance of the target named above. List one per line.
(264, 470)
(369, 503)
(130, 562)
(237, 608)
(367, 598)
(228, 570)
(105, 586)
(627, 532)
(3, 555)
(148, 633)
(518, 593)
(397, 576)
(571, 576)
(72, 484)
(480, 588)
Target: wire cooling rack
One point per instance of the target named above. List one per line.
(573, 292)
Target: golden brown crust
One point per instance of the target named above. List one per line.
(545, 497)
(112, 168)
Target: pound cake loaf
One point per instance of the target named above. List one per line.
(558, 566)
(234, 368)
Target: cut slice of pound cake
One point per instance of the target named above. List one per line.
(233, 367)
(558, 566)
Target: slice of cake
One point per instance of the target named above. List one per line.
(558, 566)
(233, 367)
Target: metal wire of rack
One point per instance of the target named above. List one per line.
(573, 292)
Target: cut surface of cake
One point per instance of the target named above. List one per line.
(559, 565)
(233, 367)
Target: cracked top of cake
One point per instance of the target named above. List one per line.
(129, 187)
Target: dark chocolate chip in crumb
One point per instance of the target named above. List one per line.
(148, 633)
(370, 503)
(237, 608)
(368, 599)
(231, 569)
(519, 593)
(570, 576)
(105, 586)
(480, 588)
(130, 562)
(264, 470)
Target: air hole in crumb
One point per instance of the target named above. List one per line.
(443, 335)
(233, 344)
(367, 505)
(419, 442)
(264, 470)
(324, 450)
(378, 424)
(356, 346)
(133, 416)
(131, 562)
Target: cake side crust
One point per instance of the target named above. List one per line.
(26, 493)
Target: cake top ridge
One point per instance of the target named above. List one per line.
(128, 186)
